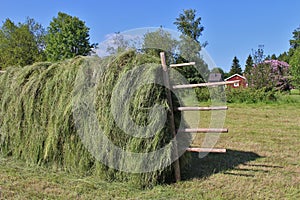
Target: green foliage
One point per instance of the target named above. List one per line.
(158, 41)
(190, 52)
(295, 42)
(190, 47)
(286, 98)
(21, 44)
(271, 74)
(260, 77)
(67, 37)
(189, 25)
(202, 94)
(235, 67)
(249, 65)
(37, 115)
(295, 68)
(212, 94)
(284, 57)
(250, 95)
(119, 44)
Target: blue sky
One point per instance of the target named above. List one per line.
(232, 27)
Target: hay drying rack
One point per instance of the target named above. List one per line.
(182, 109)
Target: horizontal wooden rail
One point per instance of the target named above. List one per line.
(206, 150)
(202, 108)
(204, 130)
(182, 64)
(1, 71)
(204, 84)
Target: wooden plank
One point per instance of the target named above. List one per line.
(183, 64)
(206, 150)
(204, 84)
(169, 97)
(204, 130)
(202, 108)
(1, 71)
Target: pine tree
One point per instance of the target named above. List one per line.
(249, 65)
(295, 42)
(236, 67)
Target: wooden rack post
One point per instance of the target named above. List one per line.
(169, 97)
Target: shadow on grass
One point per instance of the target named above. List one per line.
(215, 163)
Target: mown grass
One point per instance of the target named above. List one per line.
(262, 162)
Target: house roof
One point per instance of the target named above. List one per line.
(234, 76)
(215, 77)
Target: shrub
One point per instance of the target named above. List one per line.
(202, 94)
(250, 95)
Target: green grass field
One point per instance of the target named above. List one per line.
(262, 162)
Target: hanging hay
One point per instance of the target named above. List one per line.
(38, 124)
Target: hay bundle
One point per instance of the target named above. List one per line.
(38, 124)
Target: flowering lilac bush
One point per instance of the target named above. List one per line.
(271, 74)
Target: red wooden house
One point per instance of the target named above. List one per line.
(243, 81)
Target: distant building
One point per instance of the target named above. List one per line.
(235, 77)
(215, 77)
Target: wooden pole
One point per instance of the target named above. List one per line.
(169, 97)
(203, 130)
(202, 108)
(204, 84)
(206, 150)
(183, 64)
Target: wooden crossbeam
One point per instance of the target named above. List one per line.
(182, 64)
(1, 71)
(202, 108)
(206, 150)
(204, 84)
(203, 130)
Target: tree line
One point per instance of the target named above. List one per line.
(67, 36)
(28, 42)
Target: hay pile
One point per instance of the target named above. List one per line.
(38, 124)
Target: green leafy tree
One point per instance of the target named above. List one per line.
(67, 37)
(190, 52)
(39, 34)
(158, 41)
(249, 65)
(236, 67)
(189, 25)
(295, 68)
(189, 46)
(119, 44)
(21, 44)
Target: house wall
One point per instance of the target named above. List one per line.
(242, 82)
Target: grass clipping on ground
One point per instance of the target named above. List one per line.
(47, 118)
